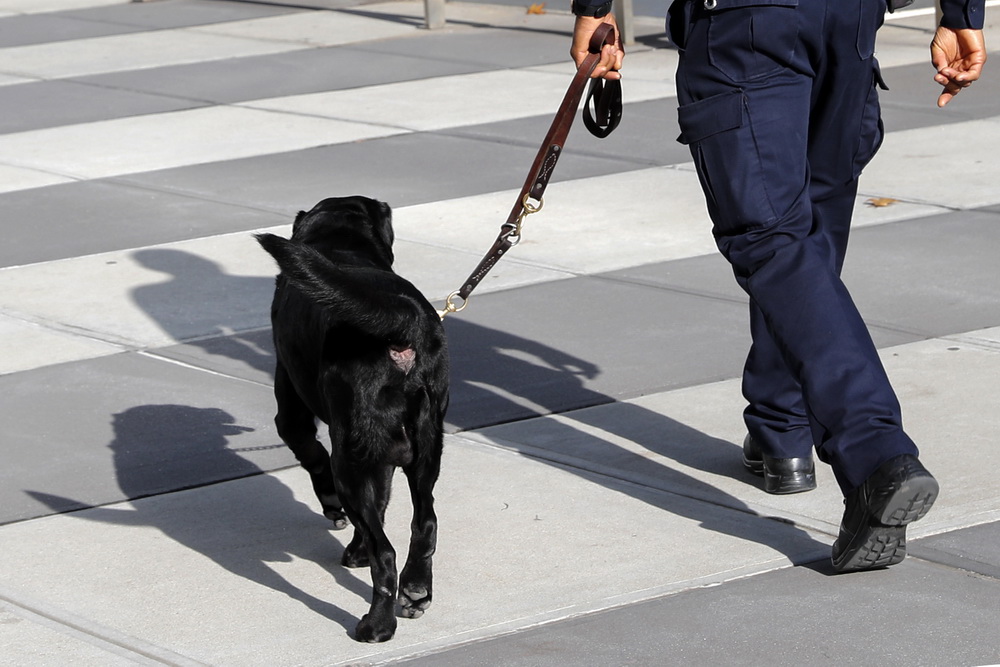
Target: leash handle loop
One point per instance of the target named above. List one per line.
(608, 114)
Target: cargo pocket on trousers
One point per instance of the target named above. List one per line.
(872, 131)
(724, 149)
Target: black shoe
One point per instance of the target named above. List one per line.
(873, 531)
(781, 476)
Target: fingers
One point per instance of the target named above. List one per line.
(612, 55)
(955, 81)
(958, 56)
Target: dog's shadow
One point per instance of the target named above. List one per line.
(241, 531)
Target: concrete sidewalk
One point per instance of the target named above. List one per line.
(593, 506)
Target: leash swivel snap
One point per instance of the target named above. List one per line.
(450, 307)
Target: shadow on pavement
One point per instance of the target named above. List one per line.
(243, 537)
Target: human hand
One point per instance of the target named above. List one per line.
(959, 56)
(611, 54)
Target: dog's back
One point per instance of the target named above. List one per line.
(363, 347)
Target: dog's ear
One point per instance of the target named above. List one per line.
(380, 216)
(298, 222)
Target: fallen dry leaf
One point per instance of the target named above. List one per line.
(881, 201)
(536, 8)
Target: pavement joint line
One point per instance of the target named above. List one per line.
(953, 561)
(522, 624)
(649, 483)
(103, 637)
(73, 330)
(151, 354)
(972, 340)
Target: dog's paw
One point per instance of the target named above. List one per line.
(372, 631)
(355, 557)
(414, 599)
(338, 518)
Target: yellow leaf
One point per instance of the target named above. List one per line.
(536, 8)
(881, 201)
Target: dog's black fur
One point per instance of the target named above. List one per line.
(361, 349)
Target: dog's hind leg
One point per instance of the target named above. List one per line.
(415, 582)
(365, 499)
(296, 426)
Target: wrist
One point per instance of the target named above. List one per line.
(594, 11)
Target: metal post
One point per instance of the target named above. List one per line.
(434, 13)
(626, 22)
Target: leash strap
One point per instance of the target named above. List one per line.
(607, 102)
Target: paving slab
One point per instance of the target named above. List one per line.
(29, 345)
(276, 75)
(126, 426)
(98, 55)
(381, 168)
(971, 549)
(919, 614)
(85, 218)
(192, 290)
(687, 441)
(925, 277)
(37, 639)
(246, 572)
(163, 141)
(126, 17)
(925, 162)
(43, 104)
(16, 7)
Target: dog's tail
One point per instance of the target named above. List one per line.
(373, 300)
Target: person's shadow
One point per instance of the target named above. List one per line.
(201, 305)
(501, 378)
(242, 532)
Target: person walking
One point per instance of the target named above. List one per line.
(778, 102)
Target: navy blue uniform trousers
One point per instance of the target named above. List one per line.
(778, 102)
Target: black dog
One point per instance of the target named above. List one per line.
(361, 349)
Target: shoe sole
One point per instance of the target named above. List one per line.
(884, 542)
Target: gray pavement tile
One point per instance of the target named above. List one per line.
(127, 426)
(34, 106)
(126, 18)
(916, 613)
(931, 276)
(53, 27)
(89, 217)
(911, 101)
(401, 170)
(276, 75)
(183, 13)
(581, 342)
(483, 47)
(973, 549)
(919, 278)
(645, 138)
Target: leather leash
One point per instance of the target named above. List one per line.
(606, 98)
